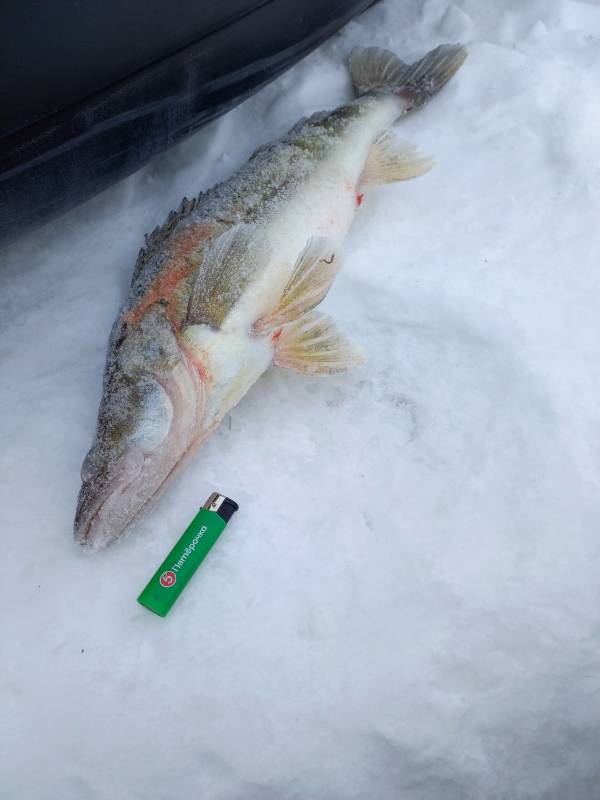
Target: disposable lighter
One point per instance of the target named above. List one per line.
(173, 575)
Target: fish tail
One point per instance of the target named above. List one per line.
(379, 70)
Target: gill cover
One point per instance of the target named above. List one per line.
(150, 416)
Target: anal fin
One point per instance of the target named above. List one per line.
(312, 276)
(314, 345)
(391, 159)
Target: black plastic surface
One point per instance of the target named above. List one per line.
(90, 91)
(56, 53)
(227, 509)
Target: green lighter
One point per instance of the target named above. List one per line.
(173, 575)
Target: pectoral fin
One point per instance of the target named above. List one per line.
(311, 278)
(229, 263)
(314, 345)
(391, 160)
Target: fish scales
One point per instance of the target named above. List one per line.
(272, 171)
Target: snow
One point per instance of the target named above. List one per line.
(406, 604)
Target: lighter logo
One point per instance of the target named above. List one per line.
(167, 579)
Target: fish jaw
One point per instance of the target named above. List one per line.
(118, 493)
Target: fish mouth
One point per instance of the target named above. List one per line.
(100, 494)
(121, 492)
(102, 517)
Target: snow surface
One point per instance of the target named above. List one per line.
(407, 605)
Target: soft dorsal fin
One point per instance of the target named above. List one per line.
(374, 68)
(391, 159)
(311, 279)
(229, 263)
(313, 344)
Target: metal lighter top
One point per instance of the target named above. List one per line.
(173, 575)
(225, 507)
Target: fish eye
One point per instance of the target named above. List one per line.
(153, 417)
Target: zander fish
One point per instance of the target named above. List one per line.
(229, 285)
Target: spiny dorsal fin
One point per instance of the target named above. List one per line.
(313, 344)
(311, 279)
(376, 69)
(154, 239)
(391, 160)
(228, 264)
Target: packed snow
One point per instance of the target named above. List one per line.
(407, 604)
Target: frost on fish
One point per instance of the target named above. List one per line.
(229, 285)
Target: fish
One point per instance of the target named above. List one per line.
(229, 285)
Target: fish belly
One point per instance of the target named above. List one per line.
(323, 206)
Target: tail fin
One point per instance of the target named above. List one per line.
(375, 69)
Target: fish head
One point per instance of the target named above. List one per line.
(150, 418)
